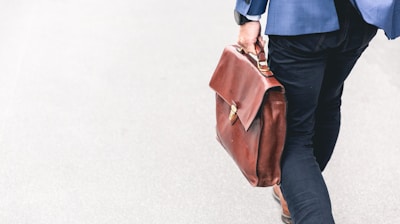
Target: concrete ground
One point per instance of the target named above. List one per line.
(106, 117)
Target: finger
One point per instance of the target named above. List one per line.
(250, 49)
(248, 46)
(261, 41)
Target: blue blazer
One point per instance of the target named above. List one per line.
(293, 17)
(384, 14)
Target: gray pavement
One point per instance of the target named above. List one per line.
(106, 117)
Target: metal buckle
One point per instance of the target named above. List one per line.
(263, 66)
(233, 114)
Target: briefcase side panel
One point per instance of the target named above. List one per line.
(272, 139)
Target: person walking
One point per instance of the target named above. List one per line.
(313, 46)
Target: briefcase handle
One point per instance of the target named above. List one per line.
(258, 59)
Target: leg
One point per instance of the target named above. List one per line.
(313, 76)
(300, 66)
(340, 62)
(328, 115)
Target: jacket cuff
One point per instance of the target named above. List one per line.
(251, 7)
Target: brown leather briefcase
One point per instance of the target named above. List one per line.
(251, 114)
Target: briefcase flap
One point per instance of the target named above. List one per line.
(238, 81)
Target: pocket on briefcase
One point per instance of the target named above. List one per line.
(250, 114)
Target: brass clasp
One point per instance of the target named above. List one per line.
(233, 114)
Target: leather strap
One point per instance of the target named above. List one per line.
(262, 60)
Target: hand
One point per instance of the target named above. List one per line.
(249, 33)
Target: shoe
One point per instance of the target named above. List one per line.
(277, 194)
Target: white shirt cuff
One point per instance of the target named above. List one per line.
(253, 17)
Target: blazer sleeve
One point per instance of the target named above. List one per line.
(251, 7)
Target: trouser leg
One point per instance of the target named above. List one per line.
(354, 37)
(328, 114)
(300, 65)
(313, 68)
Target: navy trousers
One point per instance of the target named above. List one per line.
(313, 69)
